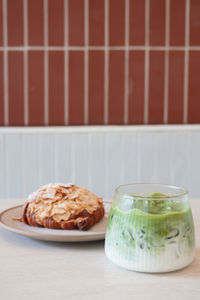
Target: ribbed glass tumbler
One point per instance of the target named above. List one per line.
(150, 228)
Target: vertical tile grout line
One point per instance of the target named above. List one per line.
(5, 63)
(46, 66)
(126, 62)
(86, 59)
(106, 61)
(146, 69)
(166, 66)
(66, 62)
(26, 100)
(186, 61)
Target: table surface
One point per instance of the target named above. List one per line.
(33, 269)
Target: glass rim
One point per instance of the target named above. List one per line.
(175, 187)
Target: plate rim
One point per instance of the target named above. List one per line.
(51, 238)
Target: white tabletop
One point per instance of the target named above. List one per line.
(32, 269)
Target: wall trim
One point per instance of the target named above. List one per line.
(99, 129)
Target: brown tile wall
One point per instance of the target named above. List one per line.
(76, 88)
(1, 23)
(96, 62)
(35, 23)
(16, 87)
(1, 91)
(176, 91)
(36, 87)
(156, 87)
(96, 84)
(136, 87)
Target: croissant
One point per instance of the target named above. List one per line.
(63, 206)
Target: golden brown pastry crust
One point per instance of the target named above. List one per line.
(87, 210)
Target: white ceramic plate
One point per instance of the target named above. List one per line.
(97, 232)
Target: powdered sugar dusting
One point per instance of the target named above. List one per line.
(73, 196)
(57, 185)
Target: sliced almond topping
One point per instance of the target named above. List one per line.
(61, 201)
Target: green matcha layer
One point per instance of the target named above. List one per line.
(150, 225)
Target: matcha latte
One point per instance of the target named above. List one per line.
(150, 228)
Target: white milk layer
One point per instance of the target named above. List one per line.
(170, 259)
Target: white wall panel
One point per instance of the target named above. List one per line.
(13, 168)
(179, 160)
(63, 158)
(79, 154)
(114, 162)
(98, 158)
(30, 164)
(129, 158)
(46, 158)
(162, 157)
(2, 168)
(97, 164)
(146, 157)
(194, 162)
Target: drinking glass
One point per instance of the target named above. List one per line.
(150, 228)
